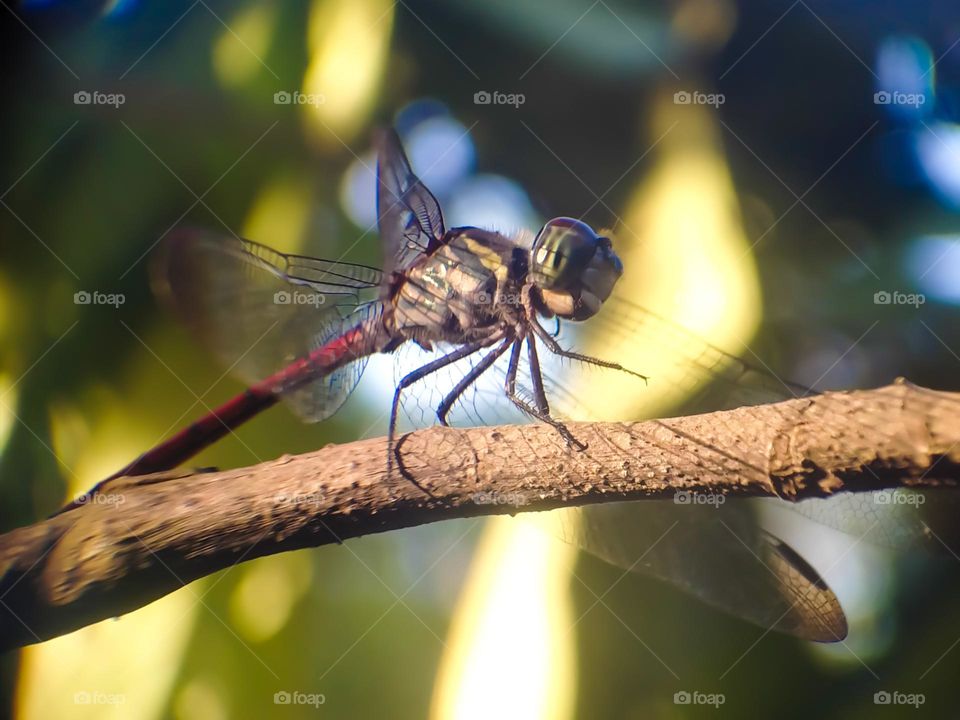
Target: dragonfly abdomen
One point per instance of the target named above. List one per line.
(356, 342)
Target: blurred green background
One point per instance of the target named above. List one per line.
(823, 135)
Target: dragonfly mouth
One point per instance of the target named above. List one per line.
(559, 302)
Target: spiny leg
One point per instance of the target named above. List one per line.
(481, 367)
(533, 359)
(540, 394)
(554, 347)
(543, 415)
(417, 375)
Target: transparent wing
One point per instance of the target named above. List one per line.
(705, 558)
(691, 375)
(321, 398)
(702, 377)
(408, 215)
(483, 403)
(717, 554)
(258, 310)
(898, 519)
(721, 556)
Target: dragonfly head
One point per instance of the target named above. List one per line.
(574, 268)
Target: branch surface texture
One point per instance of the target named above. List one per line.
(144, 537)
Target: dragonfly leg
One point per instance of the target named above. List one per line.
(533, 359)
(555, 348)
(481, 367)
(542, 411)
(541, 396)
(417, 375)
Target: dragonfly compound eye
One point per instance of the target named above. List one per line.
(574, 268)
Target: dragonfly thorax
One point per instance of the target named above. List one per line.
(574, 268)
(468, 286)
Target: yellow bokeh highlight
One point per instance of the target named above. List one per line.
(238, 54)
(96, 437)
(199, 700)
(509, 653)
(9, 397)
(8, 402)
(125, 667)
(128, 667)
(686, 256)
(269, 588)
(349, 45)
(280, 214)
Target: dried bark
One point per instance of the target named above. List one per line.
(144, 537)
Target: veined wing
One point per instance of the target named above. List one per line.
(895, 518)
(718, 555)
(258, 310)
(712, 379)
(698, 376)
(690, 376)
(722, 555)
(408, 215)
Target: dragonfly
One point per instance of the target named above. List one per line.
(300, 329)
(474, 290)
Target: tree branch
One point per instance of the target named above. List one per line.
(144, 537)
